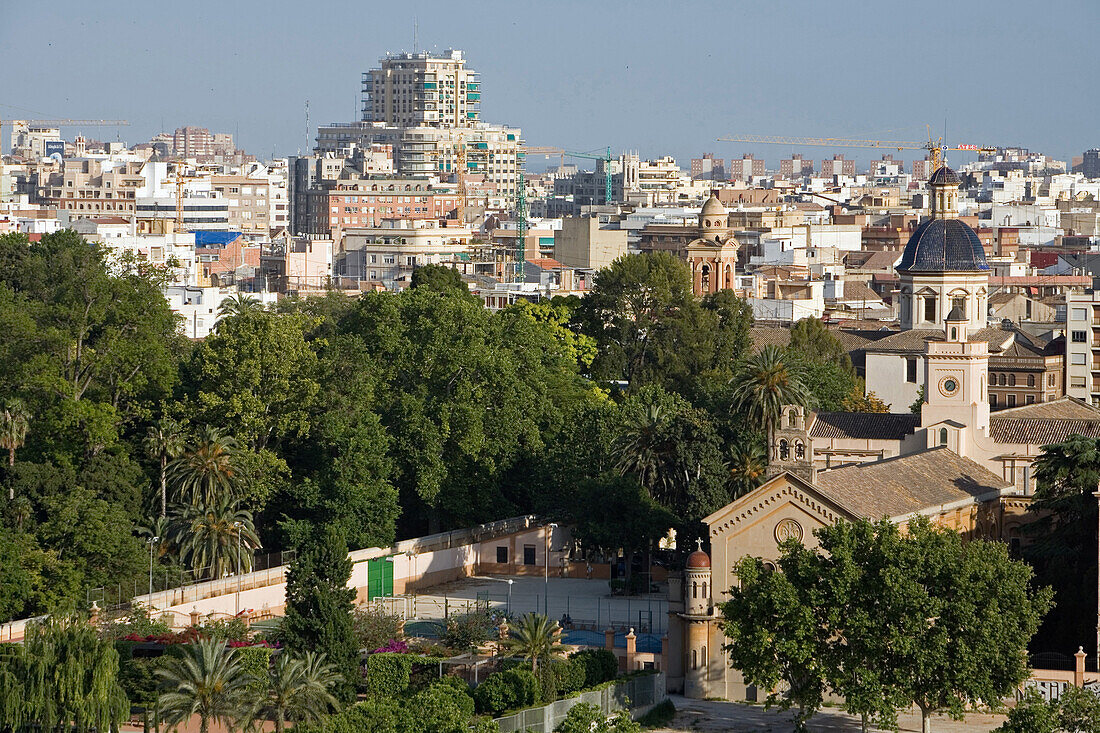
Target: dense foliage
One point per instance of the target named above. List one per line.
(388, 415)
(886, 620)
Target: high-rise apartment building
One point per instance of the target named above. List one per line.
(1090, 163)
(795, 167)
(838, 166)
(419, 89)
(708, 168)
(1083, 346)
(745, 168)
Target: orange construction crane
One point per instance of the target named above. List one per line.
(935, 149)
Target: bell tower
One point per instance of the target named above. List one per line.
(791, 449)
(956, 392)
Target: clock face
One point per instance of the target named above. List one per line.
(949, 386)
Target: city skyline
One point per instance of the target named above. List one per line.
(644, 80)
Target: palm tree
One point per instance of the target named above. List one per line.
(208, 681)
(645, 449)
(14, 422)
(163, 441)
(219, 537)
(535, 637)
(298, 689)
(206, 469)
(239, 305)
(767, 381)
(747, 465)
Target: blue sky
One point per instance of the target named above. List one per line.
(657, 77)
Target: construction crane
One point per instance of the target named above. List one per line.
(935, 149)
(606, 158)
(69, 123)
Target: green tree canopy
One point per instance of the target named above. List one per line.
(319, 606)
(441, 279)
(886, 619)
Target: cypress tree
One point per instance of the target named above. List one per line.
(319, 606)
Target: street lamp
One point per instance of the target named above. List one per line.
(1097, 495)
(509, 606)
(238, 525)
(546, 572)
(151, 541)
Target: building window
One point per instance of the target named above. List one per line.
(694, 589)
(528, 554)
(943, 436)
(1079, 337)
(992, 400)
(911, 371)
(1011, 380)
(1077, 382)
(502, 554)
(930, 308)
(1050, 380)
(1031, 399)
(1030, 380)
(1078, 359)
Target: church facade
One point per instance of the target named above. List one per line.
(954, 462)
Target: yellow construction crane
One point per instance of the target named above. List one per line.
(69, 123)
(935, 149)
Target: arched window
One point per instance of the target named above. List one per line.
(694, 590)
(1011, 380)
(799, 450)
(694, 659)
(791, 418)
(954, 333)
(1030, 380)
(1003, 380)
(784, 450)
(706, 278)
(703, 657)
(704, 591)
(943, 436)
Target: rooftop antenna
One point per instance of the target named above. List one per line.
(307, 125)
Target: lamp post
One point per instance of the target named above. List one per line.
(546, 572)
(509, 606)
(1097, 495)
(239, 527)
(152, 541)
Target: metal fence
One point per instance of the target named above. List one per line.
(635, 694)
(646, 615)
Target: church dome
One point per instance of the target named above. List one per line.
(698, 560)
(713, 208)
(943, 245)
(944, 176)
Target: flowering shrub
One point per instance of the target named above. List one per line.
(392, 646)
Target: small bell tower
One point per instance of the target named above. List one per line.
(791, 450)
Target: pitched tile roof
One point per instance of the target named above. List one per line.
(915, 339)
(899, 486)
(1039, 430)
(1063, 408)
(863, 425)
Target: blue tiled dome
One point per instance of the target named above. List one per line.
(943, 174)
(943, 245)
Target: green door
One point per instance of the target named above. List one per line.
(379, 578)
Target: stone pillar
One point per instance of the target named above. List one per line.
(1079, 667)
(93, 614)
(609, 639)
(631, 650)
(195, 616)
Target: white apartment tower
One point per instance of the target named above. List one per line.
(422, 90)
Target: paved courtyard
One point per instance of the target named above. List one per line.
(706, 715)
(587, 602)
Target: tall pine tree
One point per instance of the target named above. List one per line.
(319, 605)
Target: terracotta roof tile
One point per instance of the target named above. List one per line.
(864, 425)
(1039, 431)
(899, 486)
(1063, 408)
